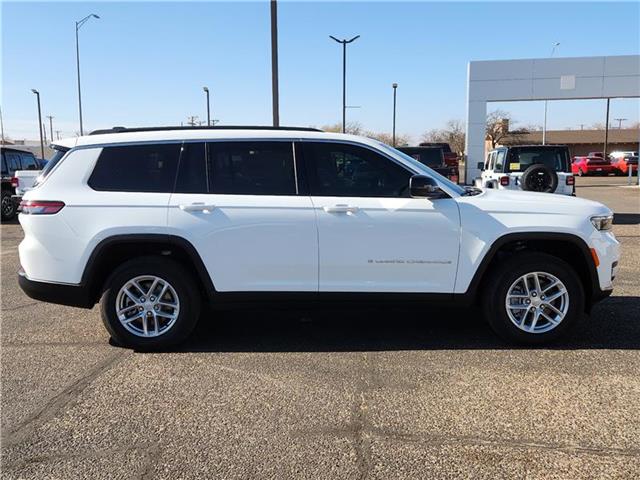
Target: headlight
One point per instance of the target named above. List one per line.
(602, 222)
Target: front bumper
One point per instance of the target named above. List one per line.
(60, 293)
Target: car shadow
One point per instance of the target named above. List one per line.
(613, 324)
(626, 218)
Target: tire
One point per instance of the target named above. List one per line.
(501, 281)
(539, 178)
(580, 172)
(8, 206)
(181, 287)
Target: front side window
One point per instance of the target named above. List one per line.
(342, 170)
(251, 168)
(136, 168)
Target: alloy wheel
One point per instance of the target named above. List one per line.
(147, 306)
(537, 302)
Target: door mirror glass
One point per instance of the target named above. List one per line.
(422, 186)
(480, 165)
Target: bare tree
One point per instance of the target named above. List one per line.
(453, 134)
(497, 126)
(353, 128)
(401, 140)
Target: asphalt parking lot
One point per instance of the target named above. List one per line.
(326, 395)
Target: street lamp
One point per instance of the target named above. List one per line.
(206, 90)
(395, 89)
(544, 127)
(37, 93)
(78, 25)
(344, 77)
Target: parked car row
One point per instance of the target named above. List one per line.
(595, 163)
(19, 171)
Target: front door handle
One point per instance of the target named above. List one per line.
(340, 208)
(197, 207)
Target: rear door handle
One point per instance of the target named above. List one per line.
(340, 208)
(197, 207)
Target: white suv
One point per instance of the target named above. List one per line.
(534, 168)
(151, 222)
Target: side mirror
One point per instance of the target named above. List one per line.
(480, 165)
(421, 186)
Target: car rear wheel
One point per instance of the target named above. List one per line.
(8, 206)
(150, 303)
(533, 298)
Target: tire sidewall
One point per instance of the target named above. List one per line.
(11, 215)
(169, 271)
(496, 311)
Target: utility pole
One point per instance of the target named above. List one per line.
(37, 94)
(606, 131)
(620, 120)
(2, 126)
(395, 88)
(206, 90)
(57, 134)
(50, 117)
(344, 43)
(544, 127)
(275, 94)
(192, 120)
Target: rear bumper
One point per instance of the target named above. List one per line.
(595, 169)
(62, 294)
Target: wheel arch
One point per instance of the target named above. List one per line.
(566, 246)
(117, 249)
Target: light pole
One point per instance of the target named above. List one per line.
(78, 25)
(544, 126)
(344, 77)
(37, 93)
(275, 95)
(206, 90)
(50, 117)
(395, 88)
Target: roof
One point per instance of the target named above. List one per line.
(573, 137)
(13, 149)
(178, 134)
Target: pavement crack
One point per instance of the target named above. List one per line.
(59, 402)
(359, 421)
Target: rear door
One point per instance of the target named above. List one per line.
(239, 204)
(373, 237)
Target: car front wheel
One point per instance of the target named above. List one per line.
(8, 206)
(150, 303)
(533, 298)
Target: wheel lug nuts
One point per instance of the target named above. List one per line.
(157, 307)
(140, 309)
(141, 299)
(152, 298)
(149, 313)
(542, 297)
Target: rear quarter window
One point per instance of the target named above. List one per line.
(136, 168)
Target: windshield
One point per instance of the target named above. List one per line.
(522, 158)
(422, 169)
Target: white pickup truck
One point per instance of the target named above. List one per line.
(23, 181)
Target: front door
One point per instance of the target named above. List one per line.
(373, 237)
(238, 204)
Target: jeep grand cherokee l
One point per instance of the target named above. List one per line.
(152, 222)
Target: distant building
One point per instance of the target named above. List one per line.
(580, 142)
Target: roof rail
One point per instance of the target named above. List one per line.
(226, 127)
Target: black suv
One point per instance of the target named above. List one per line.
(12, 160)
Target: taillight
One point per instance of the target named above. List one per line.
(504, 181)
(40, 207)
(571, 180)
(15, 182)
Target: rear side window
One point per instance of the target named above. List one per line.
(29, 162)
(136, 168)
(251, 168)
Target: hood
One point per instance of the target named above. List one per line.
(493, 200)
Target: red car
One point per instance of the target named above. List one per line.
(621, 165)
(591, 166)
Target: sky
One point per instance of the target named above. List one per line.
(145, 63)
